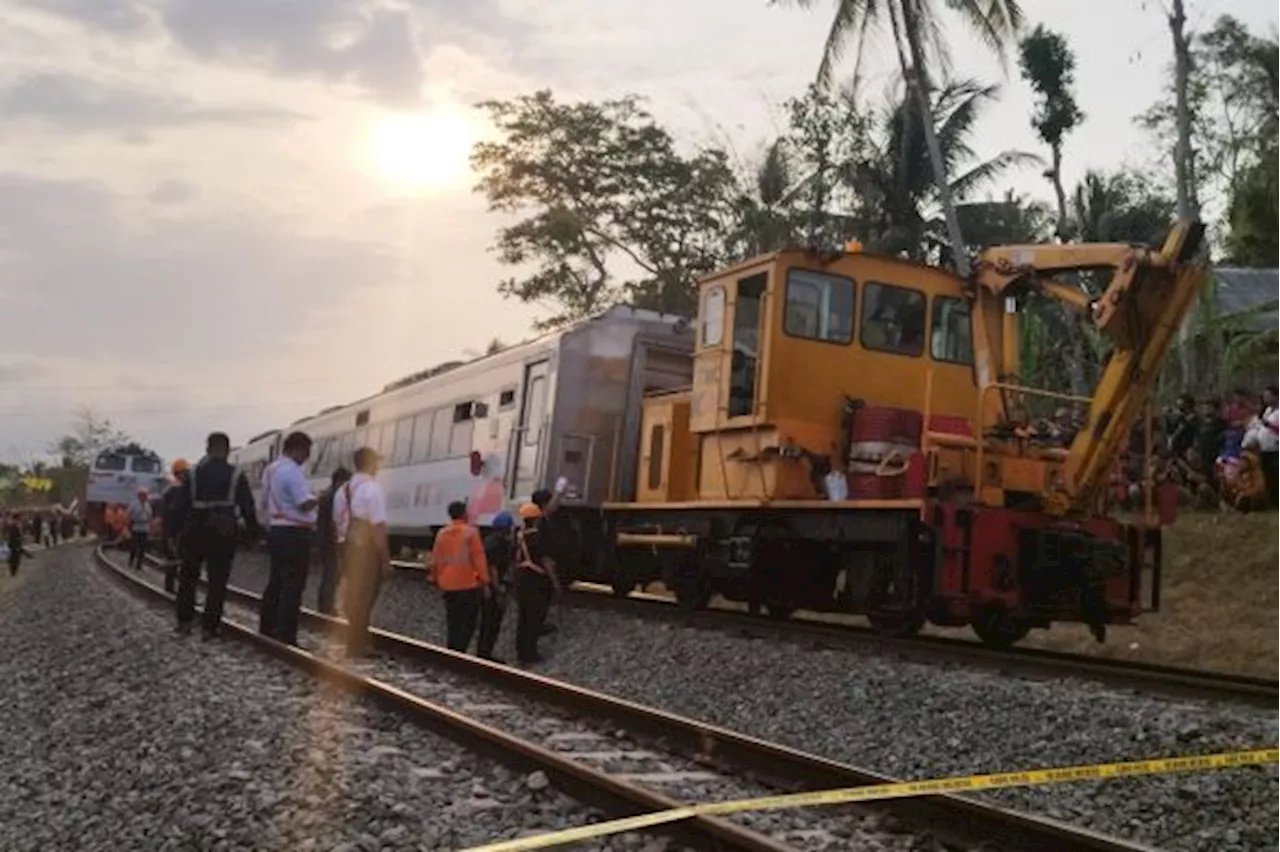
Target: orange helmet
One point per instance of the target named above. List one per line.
(529, 511)
(179, 465)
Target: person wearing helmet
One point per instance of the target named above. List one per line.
(181, 470)
(140, 515)
(499, 545)
(535, 582)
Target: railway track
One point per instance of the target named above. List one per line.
(1150, 678)
(616, 765)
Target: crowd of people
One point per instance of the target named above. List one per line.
(45, 527)
(1217, 453)
(210, 510)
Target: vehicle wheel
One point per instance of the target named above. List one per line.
(692, 593)
(1000, 629)
(622, 582)
(779, 611)
(889, 623)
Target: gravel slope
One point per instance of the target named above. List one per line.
(116, 734)
(910, 719)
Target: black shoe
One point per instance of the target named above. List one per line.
(533, 661)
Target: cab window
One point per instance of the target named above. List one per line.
(892, 319)
(819, 306)
(110, 461)
(746, 344)
(713, 316)
(143, 464)
(951, 336)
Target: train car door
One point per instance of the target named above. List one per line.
(526, 443)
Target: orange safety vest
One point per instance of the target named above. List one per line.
(457, 558)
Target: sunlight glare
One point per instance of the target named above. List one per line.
(423, 149)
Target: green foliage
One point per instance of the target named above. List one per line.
(1048, 65)
(1254, 217)
(1123, 207)
(602, 187)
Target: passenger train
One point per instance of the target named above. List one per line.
(495, 429)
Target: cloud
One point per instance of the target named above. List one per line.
(339, 41)
(71, 102)
(120, 17)
(172, 192)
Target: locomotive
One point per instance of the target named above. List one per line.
(836, 431)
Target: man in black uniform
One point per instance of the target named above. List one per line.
(326, 544)
(499, 547)
(206, 515)
(535, 582)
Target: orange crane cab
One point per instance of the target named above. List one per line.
(856, 440)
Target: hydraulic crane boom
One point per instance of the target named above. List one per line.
(1140, 311)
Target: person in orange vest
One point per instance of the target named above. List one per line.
(461, 572)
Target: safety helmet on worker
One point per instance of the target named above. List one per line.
(530, 512)
(180, 466)
(503, 520)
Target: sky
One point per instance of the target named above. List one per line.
(214, 214)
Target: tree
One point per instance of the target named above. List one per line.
(601, 188)
(1049, 66)
(1122, 207)
(918, 38)
(89, 436)
(897, 199)
(1183, 152)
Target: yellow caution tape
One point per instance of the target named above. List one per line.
(897, 790)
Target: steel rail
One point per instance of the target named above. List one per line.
(611, 794)
(959, 819)
(1154, 678)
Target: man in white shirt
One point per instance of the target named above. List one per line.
(1269, 443)
(289, 508)
(360, 521)
(140, 514)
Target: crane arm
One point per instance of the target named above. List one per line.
(1145, 302)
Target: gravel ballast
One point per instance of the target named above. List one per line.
(117, 734)
(909, 719)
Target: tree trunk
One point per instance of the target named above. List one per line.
(1055, 177)
(920, 83)
(1183, 164)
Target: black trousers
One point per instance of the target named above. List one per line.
(327, 558)
(533, 596)
(205, 548)
(172, 566)
(492, 609)
(289, 549)
(1269, 476)
(461, 612)
(137, 548)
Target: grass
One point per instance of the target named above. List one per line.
(1218, 605)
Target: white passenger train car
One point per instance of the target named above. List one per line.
(493, 430)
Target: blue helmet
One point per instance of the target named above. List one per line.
(503, 520)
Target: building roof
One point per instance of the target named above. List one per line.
(1241, 290)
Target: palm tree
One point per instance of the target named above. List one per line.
(919, 41)
(895, 184)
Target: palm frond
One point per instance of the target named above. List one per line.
(985, 172)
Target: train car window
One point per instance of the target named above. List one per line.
(421, 438)
(462, 412)
(480, 410)
(322, 457)
(819, 306)
(713, 316)
(746, 344)
(440, 431)
(657, 436)
(892, 319)
(346, 452)
(402, 450)
(506, 399)
(362, 417)
(537, 405)
(951, 335)
(143, 464)
(110, 461)
(460, 438)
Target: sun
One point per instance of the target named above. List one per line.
(422, 149)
